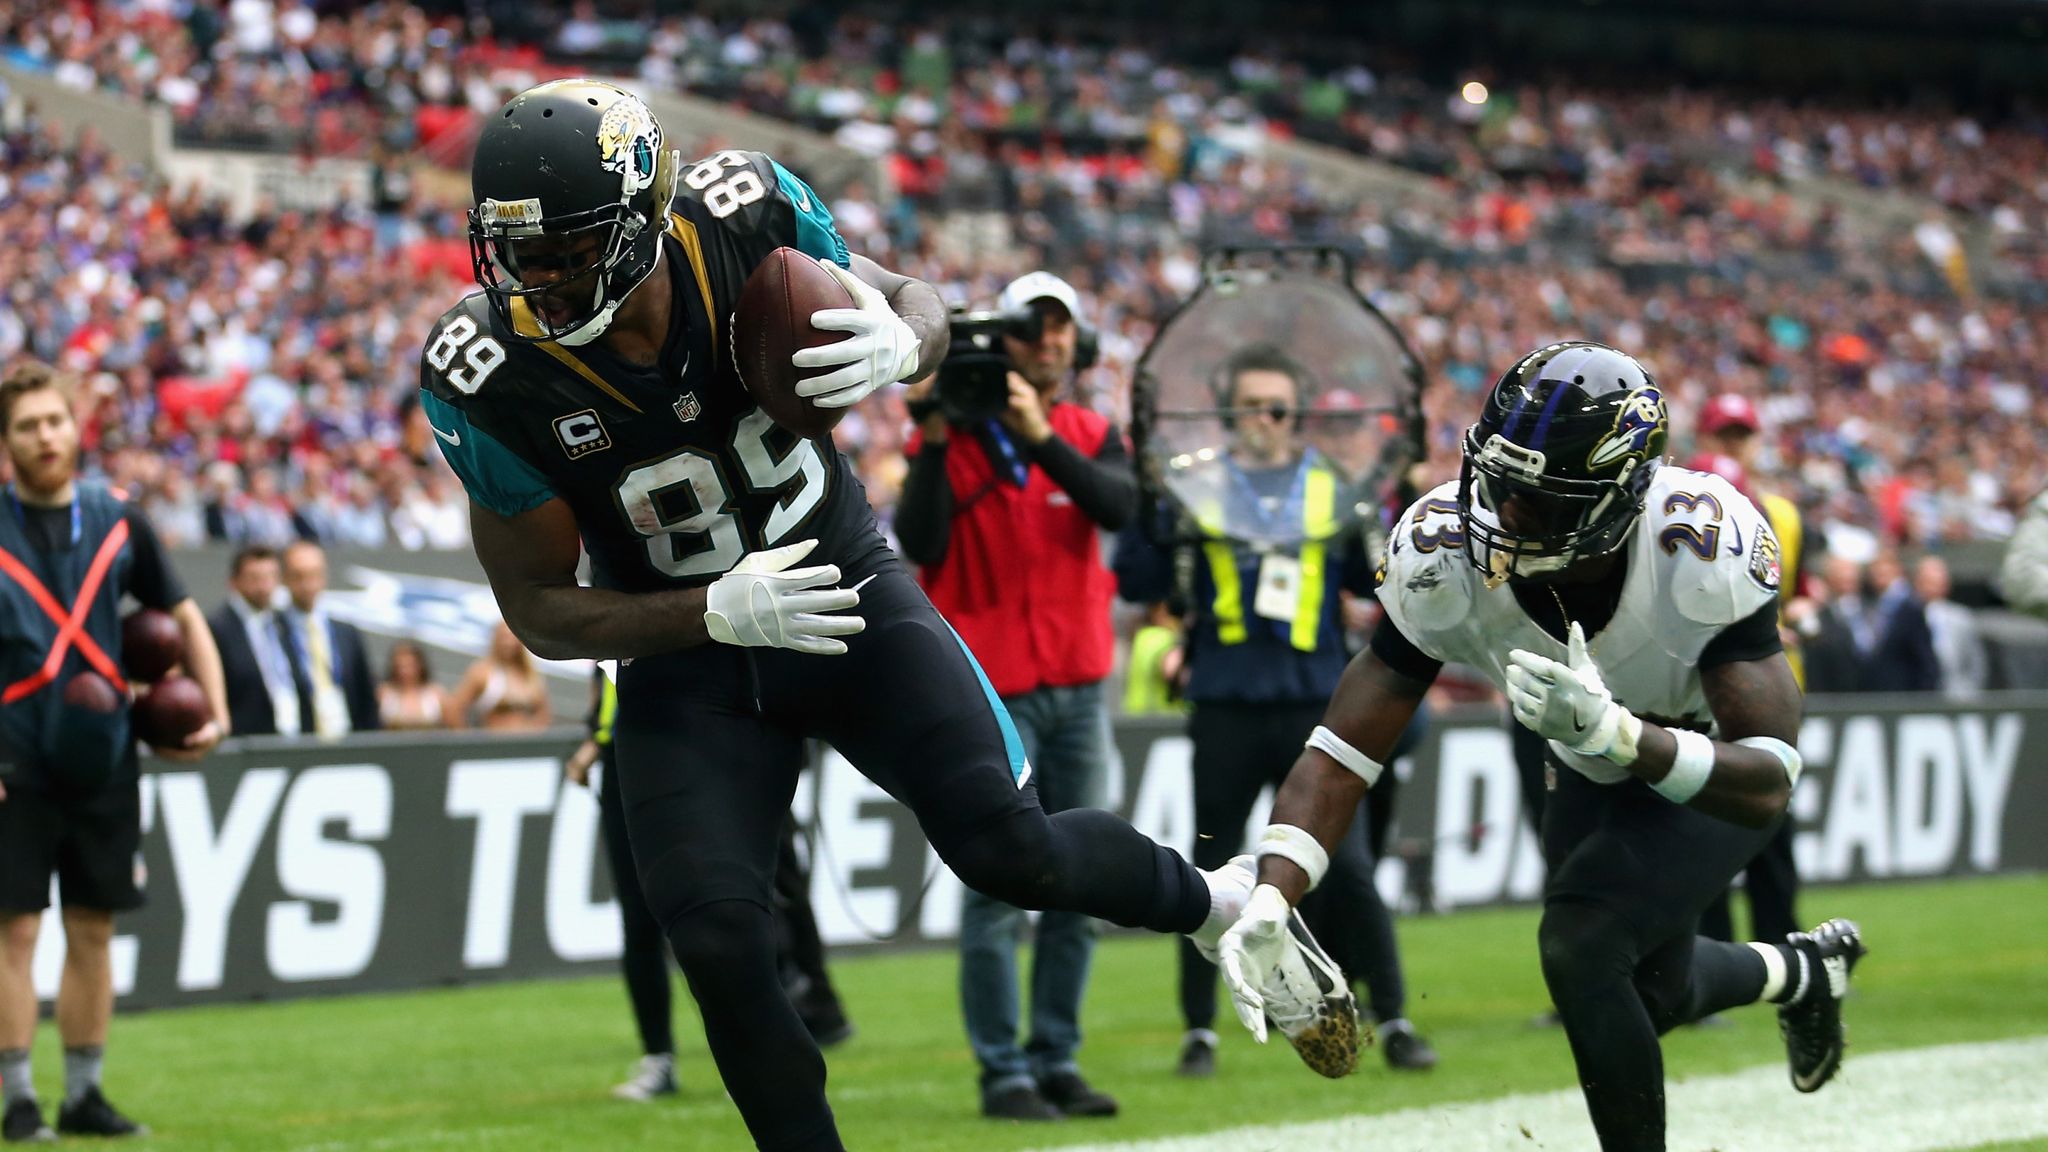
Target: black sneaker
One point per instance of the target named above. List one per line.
(1812, 1025)
(825, 1020)
(1405, 1048)
(1020, 1103)
(1072, 1095)
(23, 1124)
(92, 1115)
(1198, 1055)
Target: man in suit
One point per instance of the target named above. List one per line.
(1834, 663)
(1965, 666)
(336, 692)
(1898, 648)
(262, 700)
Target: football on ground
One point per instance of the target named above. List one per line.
(772, 323)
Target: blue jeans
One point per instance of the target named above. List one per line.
(1065, 732)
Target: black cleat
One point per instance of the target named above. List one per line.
(1404, 1047)
(1019, 1103)
(1198, 1055)
(826, 1021)
(23, 1124)
(1073, 1096)
(93, 1115)
(1812, 1025)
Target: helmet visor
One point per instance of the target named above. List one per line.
(547, 284)
(1520, 522)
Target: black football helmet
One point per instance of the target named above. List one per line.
(1557, 467)
(572, 181)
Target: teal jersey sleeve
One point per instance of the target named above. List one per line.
(494, 475)
(816, 235)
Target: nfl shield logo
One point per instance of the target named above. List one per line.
(687, 407)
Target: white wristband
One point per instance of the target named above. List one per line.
(1332, 745)
(1291, 843)
(1691, 764)
(1786, 754)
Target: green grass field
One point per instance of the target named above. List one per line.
(528, 1066)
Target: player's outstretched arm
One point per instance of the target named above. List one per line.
(1367, 714)
(531, 562)
(1745, 778)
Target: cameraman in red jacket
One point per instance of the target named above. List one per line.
(1003, 513)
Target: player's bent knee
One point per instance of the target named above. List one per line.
(1009, 860)
(722, 938)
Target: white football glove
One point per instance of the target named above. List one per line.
(760, 604)
(882, 349)
(1254, 945)
(1569, 703)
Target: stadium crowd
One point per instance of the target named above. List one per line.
(254, 375)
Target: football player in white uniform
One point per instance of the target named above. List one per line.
(1629, 611)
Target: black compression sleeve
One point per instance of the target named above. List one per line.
(1399, 653)
(1753, 637)
(1103, 488)
(924, 511)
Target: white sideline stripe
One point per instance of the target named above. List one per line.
(1910, 1100)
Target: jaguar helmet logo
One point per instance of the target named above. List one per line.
(627, 141)
(1638, 432)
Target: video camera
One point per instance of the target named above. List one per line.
(974, 380)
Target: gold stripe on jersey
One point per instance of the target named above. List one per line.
(693, 247)
(524, 323)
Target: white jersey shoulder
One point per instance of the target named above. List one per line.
(1701, 558)
(1428, 582)
(1715, 550)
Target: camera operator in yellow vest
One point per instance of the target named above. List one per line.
(1265, 645)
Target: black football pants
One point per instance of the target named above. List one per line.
(1240, 749)
(1629, 874)
(710, 742)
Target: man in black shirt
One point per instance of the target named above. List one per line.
(69, 798)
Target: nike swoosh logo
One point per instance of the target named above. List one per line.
(1735, 530)
(454, 438)
(803, 200)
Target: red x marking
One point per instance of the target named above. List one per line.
(71, 626)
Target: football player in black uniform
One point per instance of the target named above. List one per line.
(588, 394)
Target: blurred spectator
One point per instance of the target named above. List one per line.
(1834, 661)
(2024, 573)
(1958, 647)
(1891, 633)
(408, 696)
(1152, 677)
(501, 691)
(337, 693)
(263, 695)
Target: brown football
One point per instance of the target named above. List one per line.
(170, 711)
(773, 321)
(91, 692)
(151, 645)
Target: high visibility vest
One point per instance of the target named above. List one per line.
(1318, 523)
(607, 708)
(1784, 517)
